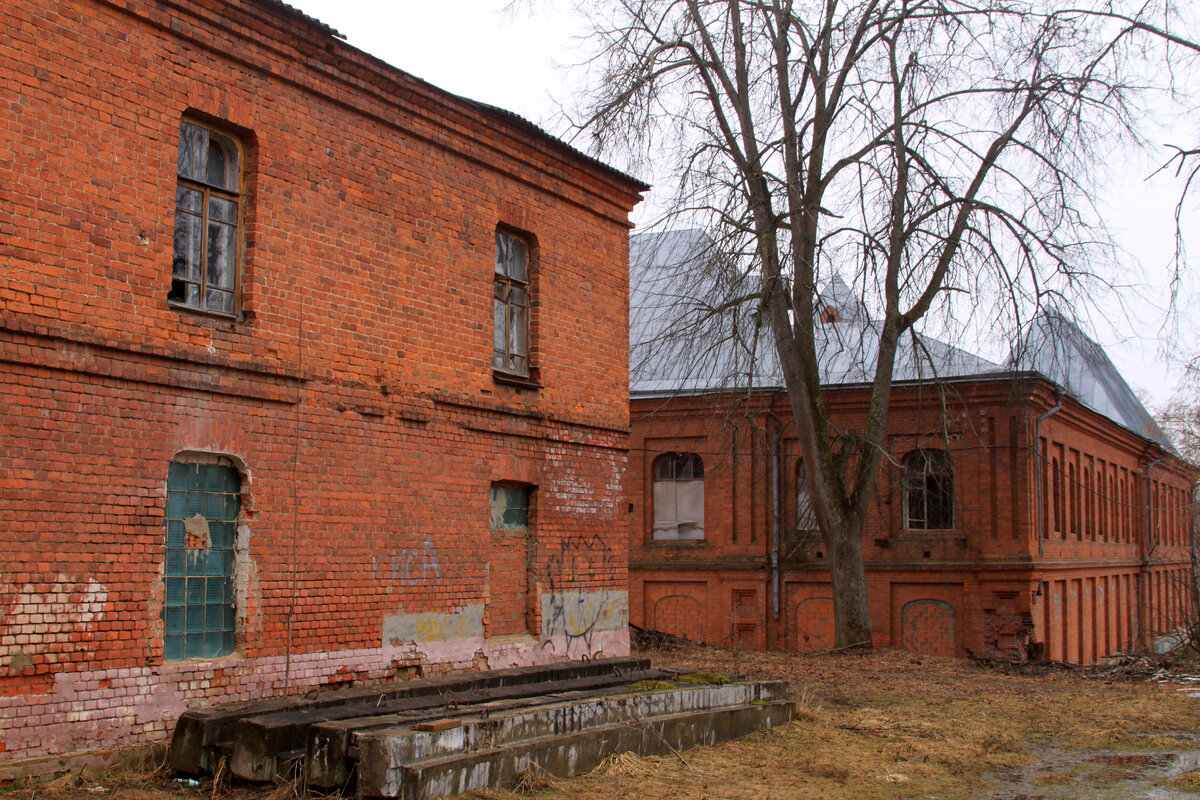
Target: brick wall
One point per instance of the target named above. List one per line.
(353, 391)
(987, 586)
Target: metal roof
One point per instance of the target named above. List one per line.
(695, 330)
(1057, 349)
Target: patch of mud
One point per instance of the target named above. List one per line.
(1098, 775)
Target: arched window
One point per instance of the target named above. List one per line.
(679, 496)
(208, 217)
(928, 490)
(806, 516)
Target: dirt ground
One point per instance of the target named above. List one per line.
(869, 726)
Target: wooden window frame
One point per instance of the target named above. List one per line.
(933, 475)
(208, 192)
(510, 363)
(678, 469)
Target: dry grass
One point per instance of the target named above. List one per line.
(868, 726)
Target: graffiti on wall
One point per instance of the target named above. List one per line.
(432, 627)
(409, 567)
(570, 613)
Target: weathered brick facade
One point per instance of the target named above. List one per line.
(350, 397)
(1110, 571)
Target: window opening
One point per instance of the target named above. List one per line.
(207, 219)
(928, 490)
(806, 515)
(203, 502)
(510, 353)
(509, 507)
(679, 496)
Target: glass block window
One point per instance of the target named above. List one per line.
(203, 501)
(208, 197)
(510, 507)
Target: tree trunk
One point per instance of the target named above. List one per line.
(851, 611)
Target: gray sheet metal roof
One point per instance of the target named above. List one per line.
(689, 332)
(1056, 348)
(696, 330)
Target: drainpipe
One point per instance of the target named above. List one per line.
(1038, 467)
(775, 521)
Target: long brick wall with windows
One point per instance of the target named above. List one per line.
(276, 322)
(955, 562)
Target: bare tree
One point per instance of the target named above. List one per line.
(1179, 417)
(940, 152)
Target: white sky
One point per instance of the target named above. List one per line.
(519, 60)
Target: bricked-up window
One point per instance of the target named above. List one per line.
(208, 213)
(928, 490)
(510, 351)
(203, 501)
(679, 496)
(806, 516)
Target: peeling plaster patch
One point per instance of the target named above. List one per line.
(575, 491)
(197, 532)
(38, 620)
(466, 623)
(580, 614)
(163, 702)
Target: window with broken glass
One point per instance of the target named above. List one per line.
(208, 213)
(679, 496)
(509, 507)
(203, 502)
(510, 351)
(928, 490)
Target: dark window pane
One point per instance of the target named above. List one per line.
(174, 591)
(193, 148)
(186, 260)
(518, 327)
(502, 246)
(220, 255)
(510, 507)
(190, 200)
(221, 209)
(194, 643)
(197, 564)
(518, 259)
(175, 563)
(173, 648)
(217, 300)
(223, 166)
(174, 620)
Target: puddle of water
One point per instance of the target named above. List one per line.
(1098, 775)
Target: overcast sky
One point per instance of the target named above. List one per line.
(521, 61)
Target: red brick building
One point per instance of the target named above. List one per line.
(310, 373)
(1021, 511)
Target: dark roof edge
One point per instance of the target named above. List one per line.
(980, 377)
(508, 117)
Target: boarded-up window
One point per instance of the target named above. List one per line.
(679, 496)
(928, 490)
